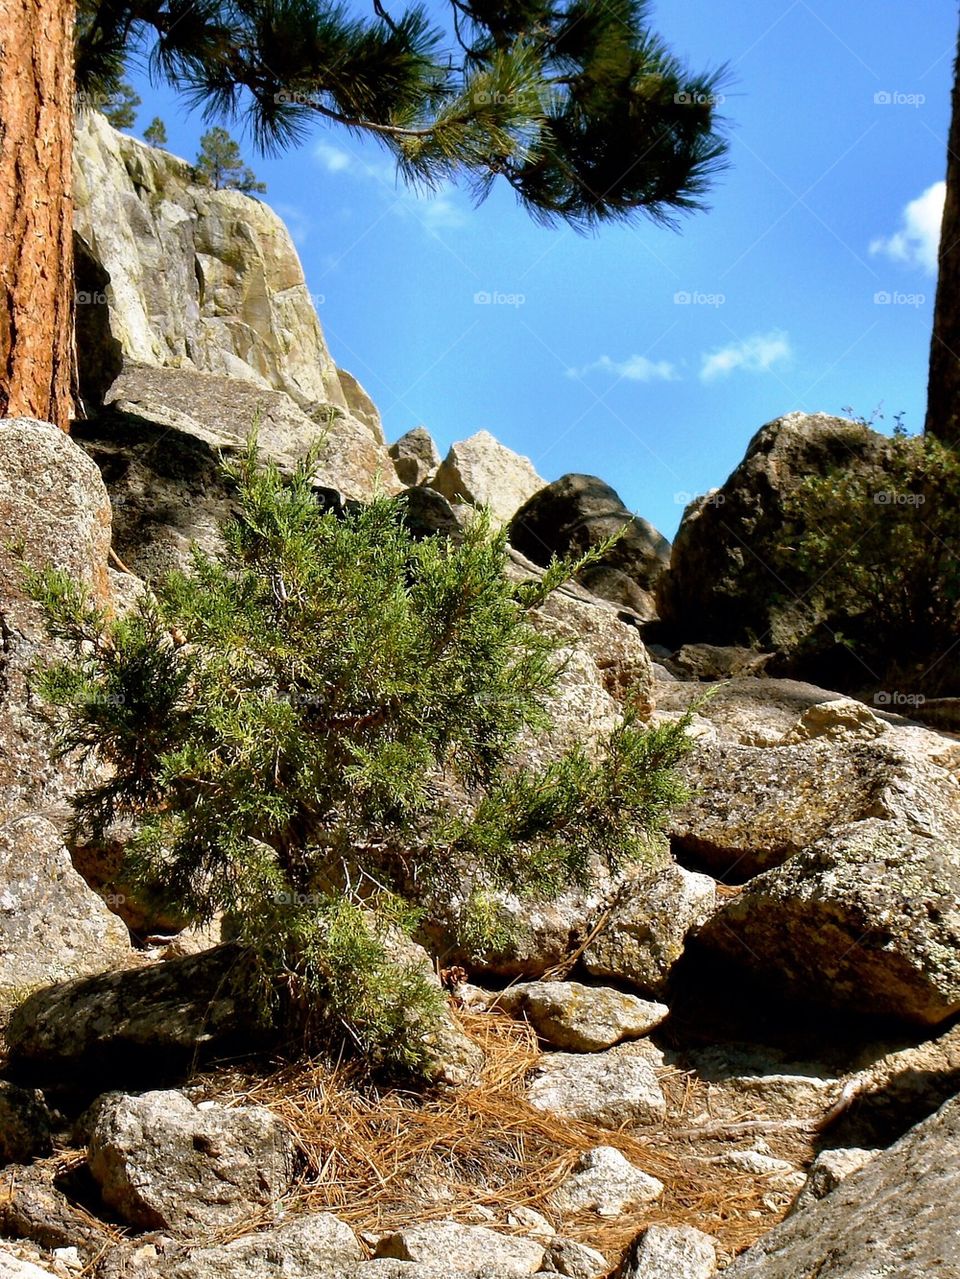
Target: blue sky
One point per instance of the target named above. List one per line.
(643, 355)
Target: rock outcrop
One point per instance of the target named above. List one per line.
(726, 584)
(578, 512)
(199, 278)
(54, 513)
(896, 1216)
(415, 457)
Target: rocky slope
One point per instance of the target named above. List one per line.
(729, 1046)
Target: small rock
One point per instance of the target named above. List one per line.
(575, 1260)
(160, 1162)
(24, 1125)
(605, 1182)
(670, 1252)
(457, 1247)
(578, 1018)
(14, 1267)
(615, 1087)
(761, 1165)
(530, 1222)
(68, 1258)
(827, 1171)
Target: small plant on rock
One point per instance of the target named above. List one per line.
(319, 726)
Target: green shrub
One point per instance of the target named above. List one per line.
(317, 725)
(878, 552)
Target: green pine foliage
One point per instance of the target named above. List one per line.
(320, 727)
(156, 133)
(220, 165)
(874, 551)
(581, 108)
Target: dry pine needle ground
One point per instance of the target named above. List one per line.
(383, 1158)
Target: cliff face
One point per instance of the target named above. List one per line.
(195, 278)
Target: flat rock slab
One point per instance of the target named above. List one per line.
(612, 1088)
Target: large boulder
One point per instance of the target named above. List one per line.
(645, 932)
(199, 278)
(153, 1024)
(54, 512)
(895, 1217)
(726, 583)
(138, 1025)
(53, 926)
(159, 443)
(483, 472)
(162, 1162)
(578, 512)
(867, 918)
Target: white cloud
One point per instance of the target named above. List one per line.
(918, 239)
(757, 354)
(436, 210)
(635, 368)
(332, 158)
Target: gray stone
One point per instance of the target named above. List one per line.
(867, 918)
(575, 1260)
(54, 513)
(24, 1124)
(462, 1248)
(578, 1018)
(751, 808)
(136, 1025)
(648, 925)
(605, 1182)
(14, 1267)
(670, 1252)
(301, 1248)
(483, 472)
(827, 1171)
(162, 1162)
(578, 512)
(613, 1088)
(415, 457)
(895, 1217)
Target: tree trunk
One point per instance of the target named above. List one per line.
(943, 394)
(36, 213)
